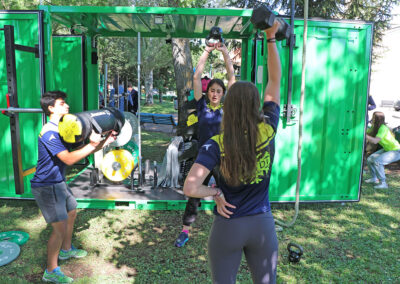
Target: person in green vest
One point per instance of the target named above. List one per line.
(380, 134)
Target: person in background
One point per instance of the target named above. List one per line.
(209, 120)
(121, 100)
(101, 100)
(380, 134)
(132, 99)
(243, 154)
(371, 106)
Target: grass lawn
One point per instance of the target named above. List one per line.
(167, 107)
(154, 145)
(349, 243)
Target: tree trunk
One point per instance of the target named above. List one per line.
(183, 68)
(160, 96)
(149, 88)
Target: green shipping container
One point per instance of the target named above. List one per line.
(337, 86)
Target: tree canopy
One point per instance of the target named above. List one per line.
(376, 11)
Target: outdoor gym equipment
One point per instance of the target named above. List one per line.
(294, 255)
(263, 18)
(77, 127)
(8, 252)
(214, 37)
(117, 165)
(196, 23)
(17, 237)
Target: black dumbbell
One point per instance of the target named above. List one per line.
(263, 18)
(215, 37)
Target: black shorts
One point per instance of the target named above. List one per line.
(55, 201)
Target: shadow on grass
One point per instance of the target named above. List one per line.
(343, 243)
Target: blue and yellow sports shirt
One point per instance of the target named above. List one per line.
(209, 120)
(250, 198)
(50, 169)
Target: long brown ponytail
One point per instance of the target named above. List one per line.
(240, 133)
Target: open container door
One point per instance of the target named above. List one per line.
(69, 71)
(334, 123)
(22, 81)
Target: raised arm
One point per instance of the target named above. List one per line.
(228, 65)
(95, 144)
(272, 90)
(199, 70)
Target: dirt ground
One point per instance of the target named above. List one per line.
(393, 168)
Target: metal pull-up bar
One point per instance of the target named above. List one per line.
(13, 110)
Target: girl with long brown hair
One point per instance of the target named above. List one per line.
(243, 153)
(209, 120)
(390, 152)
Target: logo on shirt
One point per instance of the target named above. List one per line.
(52, 137)
(206, 146)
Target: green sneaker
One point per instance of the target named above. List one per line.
(56, 276)
(73, 252)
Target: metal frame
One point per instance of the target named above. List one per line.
(56, 13)
(13, 109)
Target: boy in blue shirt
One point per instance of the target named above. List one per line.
(51, 193)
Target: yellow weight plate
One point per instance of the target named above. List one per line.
(70, 128)
(117, 165)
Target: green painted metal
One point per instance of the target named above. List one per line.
(92, 77)
(128, 21)
(337, 82)
(28, 85)
(140, 204)
(68, 71)
(337, 76)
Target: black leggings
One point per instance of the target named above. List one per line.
(255, 236)
(192, 205)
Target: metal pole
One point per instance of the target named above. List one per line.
(21, 110)
(105, 93)
(290, 79)
(139, 128)
(41, 60)
(117, 90)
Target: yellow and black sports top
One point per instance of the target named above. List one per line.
(251, 197)
(209, 120)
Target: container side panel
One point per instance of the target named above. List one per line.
(28, 90)
(67, 68)
(334, 116)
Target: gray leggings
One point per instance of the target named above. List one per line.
(255, 236)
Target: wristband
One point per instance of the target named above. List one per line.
(207, 51)
(272, 39)
(218, 193)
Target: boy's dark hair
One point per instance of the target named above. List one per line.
(49, 99)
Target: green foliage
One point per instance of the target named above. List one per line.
(219, 75)
(376, 11)
(120, 55)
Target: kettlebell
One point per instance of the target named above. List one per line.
(294, 255)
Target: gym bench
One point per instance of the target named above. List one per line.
(157, 118)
